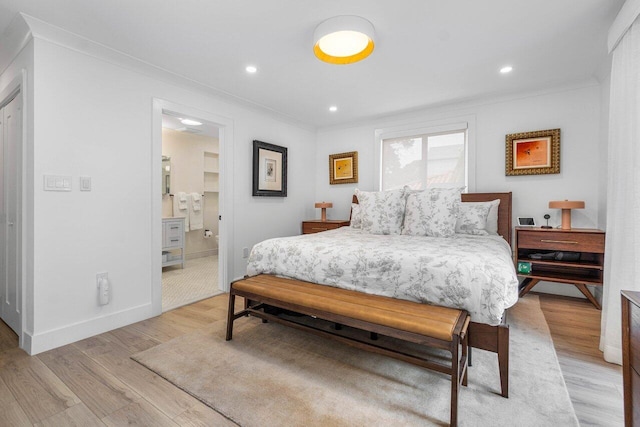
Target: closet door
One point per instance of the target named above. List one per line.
(10, 280)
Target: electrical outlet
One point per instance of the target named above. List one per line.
(245, 252)
(104, 288)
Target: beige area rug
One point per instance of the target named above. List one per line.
(272, 375)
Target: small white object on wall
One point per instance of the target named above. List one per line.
(104, 288)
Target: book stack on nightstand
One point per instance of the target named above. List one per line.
(574, 256)
(317, 225)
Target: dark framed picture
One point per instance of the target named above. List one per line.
(343, 168)
(269, 169)
(533, 153)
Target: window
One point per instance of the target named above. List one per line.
(425, 160)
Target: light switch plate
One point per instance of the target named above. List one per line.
(57, 183)
(85, 183)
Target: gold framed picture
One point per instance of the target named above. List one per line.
(343, 168)
(532, 153)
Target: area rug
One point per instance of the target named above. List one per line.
(272, 375)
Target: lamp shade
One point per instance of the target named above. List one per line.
(324, 205)
(343, 39)
(566, 206)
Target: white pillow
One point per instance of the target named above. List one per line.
(431, 212)
(356, 216)
(382, 212)
(492, 218)
(470, 221)
(472, 218)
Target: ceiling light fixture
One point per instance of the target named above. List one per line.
(343, 39)
(507, 69)
(333, 108)
(251, 69)
(190, 122)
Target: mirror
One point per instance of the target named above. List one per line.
(166, 175)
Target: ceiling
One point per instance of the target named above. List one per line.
(428, 52)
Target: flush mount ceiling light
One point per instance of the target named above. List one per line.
(506, 69)
(333, 108)
(343, 39)
(251, 69)
(190, 122)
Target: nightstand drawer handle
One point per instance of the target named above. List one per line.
(559, 241)
(319, 228)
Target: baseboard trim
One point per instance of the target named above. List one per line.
(47, 340)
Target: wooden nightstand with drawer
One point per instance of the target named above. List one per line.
(574, 256)
(316, 225)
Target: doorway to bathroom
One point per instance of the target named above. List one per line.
(190, 209)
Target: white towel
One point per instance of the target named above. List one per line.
(197, 201)
(195, 214)
(181, 208)
(183, 201)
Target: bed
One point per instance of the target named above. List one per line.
(469, 272)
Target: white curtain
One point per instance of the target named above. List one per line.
(622, 259)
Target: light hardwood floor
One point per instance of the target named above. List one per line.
(94, 382)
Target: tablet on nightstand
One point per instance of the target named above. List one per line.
(526, 222)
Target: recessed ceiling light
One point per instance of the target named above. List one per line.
(190, 122)
(507, 69)
(333, 108)
(251, 69)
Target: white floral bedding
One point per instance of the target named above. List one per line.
(475, 273)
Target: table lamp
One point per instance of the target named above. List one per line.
(324, 206)
(566, 206)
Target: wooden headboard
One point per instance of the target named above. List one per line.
(504, 211)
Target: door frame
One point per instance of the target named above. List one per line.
(225, 207)
(17, 87)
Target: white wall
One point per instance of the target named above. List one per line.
(94, 117)
(576, 111)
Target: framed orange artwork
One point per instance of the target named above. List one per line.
(343, 168)
(533, 153)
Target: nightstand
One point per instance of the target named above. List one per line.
(574, 256)
(316, 225)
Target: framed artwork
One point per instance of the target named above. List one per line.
(343, 168)
(533, 153)
(269, 170)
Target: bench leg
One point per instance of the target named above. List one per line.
(230, 313)
(503, 359)
(455, 381)
(465, 357)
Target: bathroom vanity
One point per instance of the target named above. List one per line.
(172, 241)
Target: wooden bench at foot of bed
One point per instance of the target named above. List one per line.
(429, 325)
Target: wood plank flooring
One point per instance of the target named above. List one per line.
(93, 382)
(594, 385)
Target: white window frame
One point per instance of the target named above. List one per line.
(465, 123)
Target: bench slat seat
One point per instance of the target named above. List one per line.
(436, 322)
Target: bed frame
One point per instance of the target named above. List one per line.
(492, 338)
